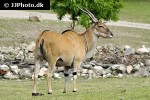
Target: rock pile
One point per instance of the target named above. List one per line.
(111, 61)
(108, 61)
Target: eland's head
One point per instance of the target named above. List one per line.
(99, 28)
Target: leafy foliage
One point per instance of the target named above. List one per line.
(102, 9)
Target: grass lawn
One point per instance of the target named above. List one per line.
(136, 11)
(21, 30)
(96, 89)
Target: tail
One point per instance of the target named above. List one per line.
(39, 52)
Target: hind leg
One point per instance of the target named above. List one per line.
(35, 77)
(50, 71)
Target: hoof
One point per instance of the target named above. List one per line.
(74, 91)
(49, 93)
(64, 92)
(37, 94)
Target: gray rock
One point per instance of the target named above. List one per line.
(31, 47)
(142, 50)
(56, 76)
(136, 67)
(25, 73)
(83, 74)
(84, 71)
(6, 50)
(35, 17)
(98, 47)
(142, 71)
(88, 66)
(109, 75)
(90, 74)
(129, 69)
(29, 60)
(99, 70)
(4, 67)
(120, 75)
(10, 75)
(146, 74)
(147, 62)
(114, 67)
(122, 68)
(14, 69)
(42, 71)
(108, 70)
(127, 50)
(1, 57)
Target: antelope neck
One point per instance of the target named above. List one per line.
(89, 39)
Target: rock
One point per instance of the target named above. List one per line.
(46, 64)
(90, 74)
(83, 75)
(142, 50)
(29, 60)
(120, 75)
(127, 50)
(4, 67)
(35, 17)
(10, 75)
(148, 68)
(99, 70)
(1, 57)
(108, 70)
(56, 76)
(84, 71)
(88, 66)
(146, 74)
(42, 71)
(14, 68)
(59, 69)
(21, 52)
(31, 47)
(98, 47)
(25, 73)
(142, 64)
(104, 76)
(6, 50)
(111, 47)
(147, 62)
(114, 67)
(148, 49)
(122, 68)
(142, 71)
(109, 75)
(129, 69)
(136, 67)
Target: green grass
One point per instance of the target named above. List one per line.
(21, 30)
(96, 89)
(136, 11)
(133, 37)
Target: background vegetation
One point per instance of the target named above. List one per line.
(102, 9)
(20, 31)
